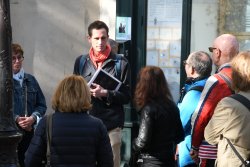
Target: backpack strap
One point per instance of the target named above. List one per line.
(118, 65)
(198, 88)
(183, 92)
(49, 136)
(242, 100)
(227, 80)
(82, 62)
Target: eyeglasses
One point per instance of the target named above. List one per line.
(15, 58)
(185, 62)
(211, 49)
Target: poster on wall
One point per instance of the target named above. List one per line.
(164, 40)
(123, 28)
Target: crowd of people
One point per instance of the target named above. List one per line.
(86, 125)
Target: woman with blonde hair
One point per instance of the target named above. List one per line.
(78, 139)
(230, 121)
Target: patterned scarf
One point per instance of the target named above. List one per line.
(100, 57)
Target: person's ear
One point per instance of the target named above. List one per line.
(218, 52)
(192, 70)
(89, 38)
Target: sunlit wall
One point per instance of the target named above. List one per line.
(54, 32)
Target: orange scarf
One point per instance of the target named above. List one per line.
(100, 57)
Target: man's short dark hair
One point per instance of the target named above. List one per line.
(97, 25)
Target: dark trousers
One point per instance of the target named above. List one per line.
(23, 146)
(207, 163)
(191, 165)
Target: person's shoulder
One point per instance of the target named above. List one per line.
(29, 77)
(211, 81)
(123, 57)
(149, 108)
(173, 105)
(80, 56)
(118, 56)
(94, 119)
(232, 103)
(228, 104)
(197, 87)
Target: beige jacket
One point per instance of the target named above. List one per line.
(232, 120)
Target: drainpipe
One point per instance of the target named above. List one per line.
(9, 135)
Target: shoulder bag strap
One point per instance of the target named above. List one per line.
(242, 100)
(48, 134)
(237, 153)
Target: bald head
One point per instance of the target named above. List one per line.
(228, 46)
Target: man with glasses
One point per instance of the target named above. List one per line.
(29, 101)
(198, 68)
(218, 86)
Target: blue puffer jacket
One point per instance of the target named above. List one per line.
(78, 140)
(187, 107)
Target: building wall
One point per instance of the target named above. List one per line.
(204, 24)
(53, 33)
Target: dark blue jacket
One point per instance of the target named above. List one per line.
(78, 140)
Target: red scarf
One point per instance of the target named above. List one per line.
(99, 57)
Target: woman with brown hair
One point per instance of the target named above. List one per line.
(78, 139)
(160, 127)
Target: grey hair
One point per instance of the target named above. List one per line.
(201, 62)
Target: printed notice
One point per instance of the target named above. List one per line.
(164, 12)
(123, 28)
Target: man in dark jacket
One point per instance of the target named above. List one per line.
(107, 102)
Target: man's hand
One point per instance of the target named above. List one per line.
(194, 155)
(25, 122)
(98, 91)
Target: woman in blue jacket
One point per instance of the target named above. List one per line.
(78, 139)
